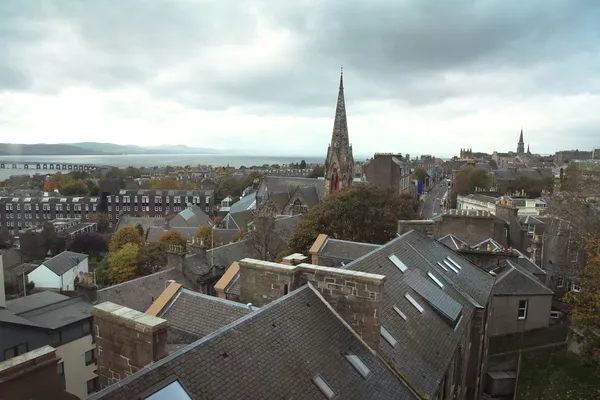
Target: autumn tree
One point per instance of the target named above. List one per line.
(150, 258)
(268, 241)
(92, 244)
(50, 186)
(586, 311)
(208, 237)
(228, 186)
(173, 238)
(420, 174)
(239, 235)
(469, 179)
(125, 235)
(74, 188)
(102, 221)
(123, 263)
(140, 229)
(532, 188)
(317, 172)
(363, 213)
(164, 184)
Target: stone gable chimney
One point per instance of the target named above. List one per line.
(356, 296)
(126, 341)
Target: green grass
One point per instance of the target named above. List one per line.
(557, 376)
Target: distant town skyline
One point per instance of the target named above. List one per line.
(255, 78)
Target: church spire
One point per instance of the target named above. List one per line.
(521, 144)
(339, 165)
(521, 137)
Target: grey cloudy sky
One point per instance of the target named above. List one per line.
(261, 76)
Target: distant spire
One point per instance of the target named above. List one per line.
(528, 149)
(342, 77)
(521, 137)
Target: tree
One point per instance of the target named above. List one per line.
(140, 229)
(5, 237)
(164, 184)
(125, 235)
(208, 237)
(174, 238)
(420, 174)
(249, 180)
(50, 186)
(267, 241)
(531, 187)
(302, 164)
(228, 186)
(150, 258)
(75, 188)
(123, 263)
(239, 235)
(92, 244)
(468, 179)
(317, 172)
(101, 220)
(52, 243)
(586, 311)
(363, 213)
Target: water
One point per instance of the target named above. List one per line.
(149, 160)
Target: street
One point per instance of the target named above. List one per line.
(431, 206)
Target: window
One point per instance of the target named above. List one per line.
(16, 351)
(90, 357)
(324, 387)
(575, 287)
(560, 281)
(92, 385)
(398, 263)
(388, 336)
(436, 280)
(522, 309)
(87, 327)
(358, 365)
(285, 289)
(414, 303)
(173, 391)
(400, 313)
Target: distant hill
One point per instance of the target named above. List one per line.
(93, 148)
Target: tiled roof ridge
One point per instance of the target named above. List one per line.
(523, 271)
(191, 346)
(216, 299)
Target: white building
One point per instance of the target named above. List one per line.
(476, 202)
(59, 272)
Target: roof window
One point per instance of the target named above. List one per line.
(173, 391)
(358, 365)
(436, 280)
(400, 313)
(324, 387)
(452, 267)
(454, 262)
(398, 263)
(414, 303)
(388, 336)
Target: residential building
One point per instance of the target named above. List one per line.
(51, 319)
(59, 272)
(477, 202)
(278, 195)
(33, 376)
(389, 170)
(339, 164)
(565, 156)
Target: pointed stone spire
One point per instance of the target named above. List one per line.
(521, 137)
(528, 152)
(339, 137)
(521, 144)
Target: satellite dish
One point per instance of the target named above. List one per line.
(529, 250)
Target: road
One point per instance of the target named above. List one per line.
(431, 205)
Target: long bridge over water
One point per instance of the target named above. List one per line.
(46, 166)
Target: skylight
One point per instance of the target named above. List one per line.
(63, 200)
(173, 391)
(436, 280)
(324, 387)
(398, 263)
(454, 262)
(452, 267)
(400, 313)
(414, 303)
(443, 266)
(388, 337)
(358, 365)
(458, 323)
(27, 199)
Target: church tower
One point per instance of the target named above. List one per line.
(521, 144)
(339, 165)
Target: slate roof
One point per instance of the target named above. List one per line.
(513, 279)
(140, 293)
(46, 309)
(344, 249)
(283, 184)
(244, 204)
(271, 353)
(64, 261)
(191, 217)
(237, 220)
(426, 341)
(200, 314)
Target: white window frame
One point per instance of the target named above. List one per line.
(522, 309)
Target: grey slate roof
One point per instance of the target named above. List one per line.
(140, 293)
(246, 203)
(344, 249)
(426, 341)
(272, 353)
(512, 279)
(201, 314)
(64, 261)
(46, 309)
(283, 184)
(192, 217)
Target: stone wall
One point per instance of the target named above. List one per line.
(357, 297)
(472, 229)
(427, 227)
(126, 340)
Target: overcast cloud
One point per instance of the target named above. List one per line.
(261, 76)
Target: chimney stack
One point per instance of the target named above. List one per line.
(356, 296)
(127, 341)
